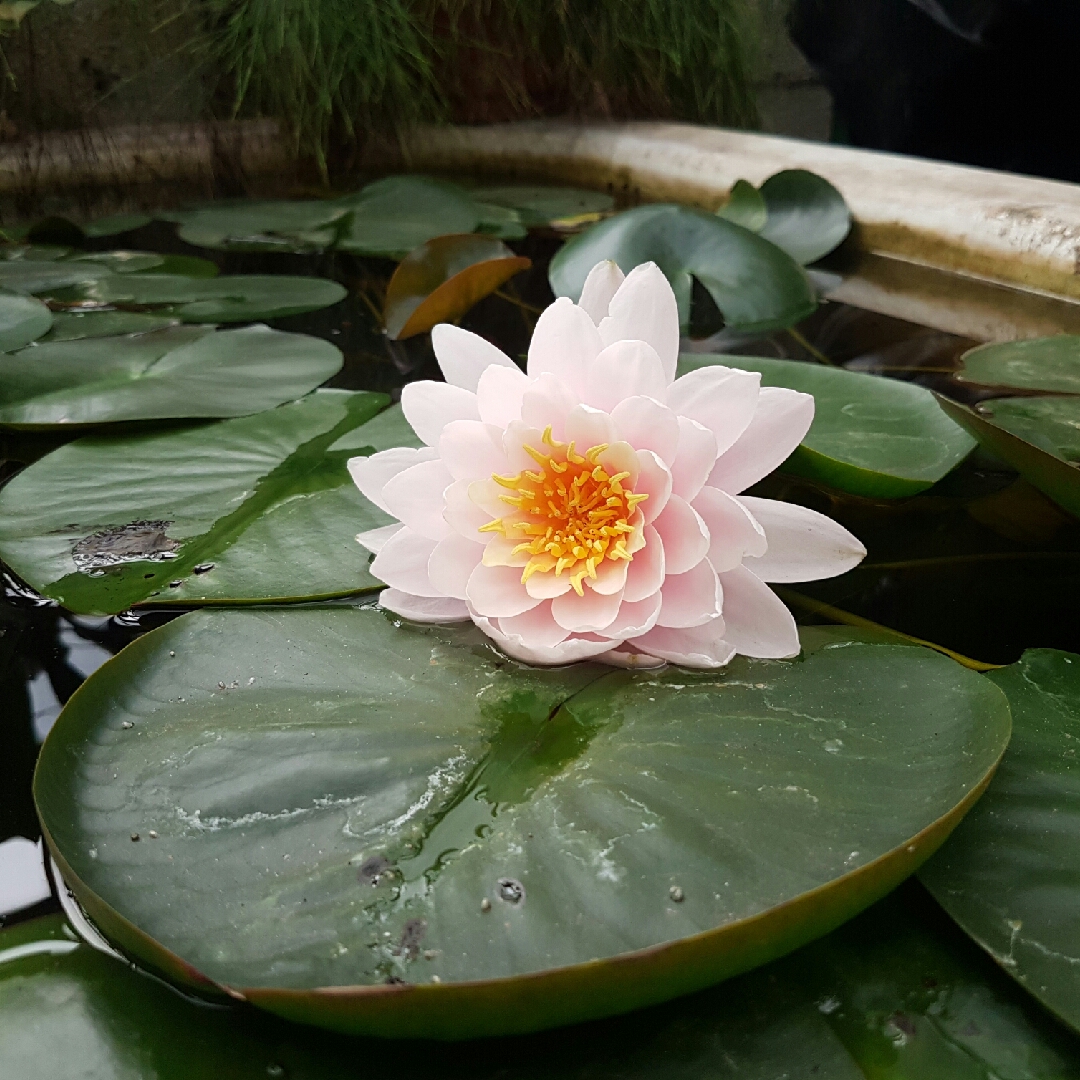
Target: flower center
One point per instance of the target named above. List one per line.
(571, 513)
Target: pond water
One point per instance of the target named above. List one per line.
(981, 563)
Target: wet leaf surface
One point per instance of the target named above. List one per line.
(265, 500)
(691, 824)
(873, 437)
(1011, 875)
(182, 372)
(755, 285)
(1051, 364)
(444, 278)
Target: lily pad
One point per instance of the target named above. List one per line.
(233, 298)
(1011, 875)
(342, 792)
(892, 994)
(289, 225)
(755, 285)
(1051, 423)
(1043, 465)
(500, 221)
(875, 437)
(79, 325)
(745, 206)
(256, 508)
(539, 205)
(806, 216)
(1051, 364)
(22, 320)
(444, 278)
(181, 372)
(116, 223)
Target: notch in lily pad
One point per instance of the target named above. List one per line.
(443, 278)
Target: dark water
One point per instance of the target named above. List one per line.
(981, 563)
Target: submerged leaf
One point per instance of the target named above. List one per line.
(444, 278)
(754, 284)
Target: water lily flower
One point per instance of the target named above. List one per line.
(589, 507)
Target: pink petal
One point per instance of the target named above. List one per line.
(452, 563)
(498, 551)
(464, 356)
(610, 577)
(644, 309)
(685, 535)
(486, 495)
(472, 450)
(700, 647)
(415, 497)
(645, 574)
(635, 618)
(600, 286)
(654, 480)
(691, 599)
(566, 652)
(462, 514)
(498, 395)
(586, 614)
(374, 539)
(782, 419)
(516, 437)
(803, 544)
(565, 342)
(733, 531)
(402, 563)
(694, 460)
(586, 426)
(626, 656)
(370, 474)
(424, 609)
(624, 369)
(621, 457)
(546, 403)
(757, 622)
(723, 399)
(536, 628)
(430, 406)
(496, 592)
(647, 425)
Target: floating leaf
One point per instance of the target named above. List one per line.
(539, 205)
(22, 320)
(1051, 364)
(1011, 875)
(754, 284)
(265, 502)
(368, 783)
(393, 216)
(116, 223)
(444, 278)
(233, 298)
(1051, 423)
(78, 325)
(258, 226)
(179, 372)
(807, 216)
(1043, 468)
(745, 206)
(876, 437)
(120, 262)
(500, 221)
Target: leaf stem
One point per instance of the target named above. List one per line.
(815, 352)
(503, 295)
(954, 560)
(847, 618)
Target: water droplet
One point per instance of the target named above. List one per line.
(152, 834)
(511, 890)
(135, 837)
(485, 904)
(676, 894)
(202, 568)
(834, 746)
(127, 724)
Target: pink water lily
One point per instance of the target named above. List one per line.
(589, 507)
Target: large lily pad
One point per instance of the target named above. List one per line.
(336, 794)
(256, 508)
(187, 371)
(1011, 876)
(893, 995)
(876, 437)
(1051, 364)
(755, 285)
(22, 320)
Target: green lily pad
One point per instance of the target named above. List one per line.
(116, 223)
(880, 438)
(342, 792)
(893, 995)
(29, 276)
(22, 320)
(745, 206)
(256, 508)
(1011, 875)
(1034, 457)
(233, 298)
(261, 225)
(1051, 364)
(501, 222)
(540, 205)
(79, 325)
(182, 372)
(120, 262)
(806, 216)
(393, 216)
(755, 285)
(1051, 423)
